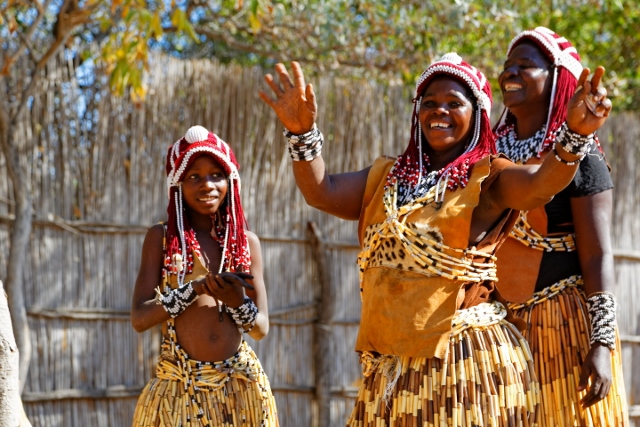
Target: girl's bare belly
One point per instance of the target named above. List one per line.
(203, 336)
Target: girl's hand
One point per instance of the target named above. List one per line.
(226, 287)
(295, 102)
(589, 107)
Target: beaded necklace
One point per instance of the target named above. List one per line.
(413, 185)
(520, 151)
(437, 258)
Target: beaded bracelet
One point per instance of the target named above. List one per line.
(574, 143)
(244, 315)
(602, 315)
(304, 147)
(177, 300)
(561, 160)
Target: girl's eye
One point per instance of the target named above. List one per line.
(428, 104)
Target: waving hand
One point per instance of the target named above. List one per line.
(295, 102)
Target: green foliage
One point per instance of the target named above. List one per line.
(389, 40)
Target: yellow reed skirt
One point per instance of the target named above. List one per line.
(558, 335)
(189, 393)
(486, 379)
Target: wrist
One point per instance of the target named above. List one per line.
(304, 147)
(601, 307)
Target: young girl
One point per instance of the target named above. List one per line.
(201, 278)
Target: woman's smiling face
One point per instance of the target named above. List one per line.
(526, 79)
(446, 114)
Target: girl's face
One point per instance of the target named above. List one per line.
(525, 80)
(204, 187)
(446, 114)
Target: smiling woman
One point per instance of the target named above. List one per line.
(556, 267)
(436, 346)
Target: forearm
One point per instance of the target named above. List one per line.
(147, 315)
(313, 181)
(261, 328)
(553, 175)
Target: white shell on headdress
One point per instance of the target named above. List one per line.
(196, 134)
(452, 57)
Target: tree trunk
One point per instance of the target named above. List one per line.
(18, 241)
(11, 411)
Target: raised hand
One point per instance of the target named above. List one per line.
(589, 107)
(295, 102)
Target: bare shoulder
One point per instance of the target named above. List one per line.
(254, 241)
(155, 235)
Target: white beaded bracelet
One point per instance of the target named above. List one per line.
(246, 314)
(305, 147)
(602, 315)
(176, 300)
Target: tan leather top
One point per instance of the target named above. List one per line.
(406, 310)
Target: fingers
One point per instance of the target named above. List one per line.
(311, 97)
(598, 391)
(298, 77)
(234, 279)
(585, 372)
(597, 78)
(283, 75)
(582, 79)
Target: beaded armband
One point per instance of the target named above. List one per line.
(561, 160)
(602, 315)
(244, 315)
(177, 300)
(574, 143)
(304, 147)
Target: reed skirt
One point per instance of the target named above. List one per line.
(558, 334)
(233, 392)
(486, 379)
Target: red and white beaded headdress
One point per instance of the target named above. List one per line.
(228, 224)
(410, 165)
(567, 70)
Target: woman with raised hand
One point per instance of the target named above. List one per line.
(556, 267)
(435, 345)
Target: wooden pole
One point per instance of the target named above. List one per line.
(323, 360)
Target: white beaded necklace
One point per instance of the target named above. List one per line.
(519, 151)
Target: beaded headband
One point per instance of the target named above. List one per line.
(196, 141)
(559, 49)
(452, 64)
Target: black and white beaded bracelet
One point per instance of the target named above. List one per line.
(246, 314)
(574, 143)
(305, 147)
(177, 300)
(602, 315)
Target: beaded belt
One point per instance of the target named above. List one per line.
(483, 314)
(549, 292)
(525, 234)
